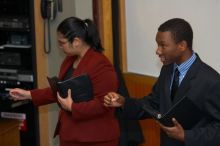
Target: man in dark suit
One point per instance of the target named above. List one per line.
(194, 79)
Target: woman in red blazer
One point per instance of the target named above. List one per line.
(85, 123)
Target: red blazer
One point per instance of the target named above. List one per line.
(89, 121)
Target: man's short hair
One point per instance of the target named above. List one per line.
(180, 30)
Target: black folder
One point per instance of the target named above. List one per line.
(184, 111)
(81, 87)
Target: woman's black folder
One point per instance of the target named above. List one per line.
(184, 111)
(81, 87)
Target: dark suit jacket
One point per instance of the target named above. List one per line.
(89, 121)
(202, 85)
(130, 130)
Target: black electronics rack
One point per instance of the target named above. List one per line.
(18, 64)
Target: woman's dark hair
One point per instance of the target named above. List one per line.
(180, 30)
(84, 29)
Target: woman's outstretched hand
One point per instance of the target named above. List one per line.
(19, 94)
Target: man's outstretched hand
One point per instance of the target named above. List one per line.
(113, 99)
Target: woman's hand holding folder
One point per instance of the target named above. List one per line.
(65, 102)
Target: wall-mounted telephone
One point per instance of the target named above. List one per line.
(48, 9)
(48, 12)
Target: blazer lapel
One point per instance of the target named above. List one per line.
(84, 62)
(185, 84)
(68, 62)
(168, 76)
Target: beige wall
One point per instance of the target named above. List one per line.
(144, 17)
(83, 9)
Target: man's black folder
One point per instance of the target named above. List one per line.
(184, 111)
(81, 87)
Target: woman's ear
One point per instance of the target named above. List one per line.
(76, 42)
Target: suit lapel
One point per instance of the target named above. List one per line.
(168, 76)
(190, 75)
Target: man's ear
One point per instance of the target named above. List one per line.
(183, 45)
